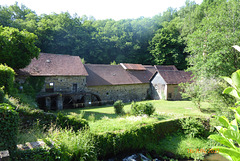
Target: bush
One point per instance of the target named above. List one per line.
(71, 122)
(9, 128)
(6, 78)
(193, 127)
(2, 94)
(118, 107)
(140, 109)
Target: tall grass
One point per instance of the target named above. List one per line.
(74, 145)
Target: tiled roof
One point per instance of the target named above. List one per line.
(165, 67)
(132, 66)
(56, 65)
(175, 77)
(100, 74)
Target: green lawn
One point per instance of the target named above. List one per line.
(174, 108)
(103, 118)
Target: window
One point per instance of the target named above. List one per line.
(74, 87)
(49, 87)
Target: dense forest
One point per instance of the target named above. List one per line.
(104, 41)
(195, 36)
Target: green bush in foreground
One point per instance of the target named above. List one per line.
(8, 127)
(118, 107)
(140, 109)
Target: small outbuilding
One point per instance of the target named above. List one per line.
(164, 83)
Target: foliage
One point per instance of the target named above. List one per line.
(74, 145)
(118, 107)
(229, 131)
(33, 85)
(6, 78)
(193, 92)
(2, 94)
(193, 127)
(211, 54)
(71, 122)
(17, 48)
(140, 109)
(208, 90)
(167, 47)
(9, 128)
(32, 134)
(29, 117)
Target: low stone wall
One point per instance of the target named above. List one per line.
(127, 93)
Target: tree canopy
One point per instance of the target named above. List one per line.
(17, 48)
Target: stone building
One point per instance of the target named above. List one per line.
(69, 83)
(164, 83)
(127, 82)
(65, 77)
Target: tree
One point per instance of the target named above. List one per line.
(210, 46)
(167, 46)
(17, 48)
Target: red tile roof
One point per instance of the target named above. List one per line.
(132, 66)
(56, 65)
(165, 67)
(175, 77)
(100, 74)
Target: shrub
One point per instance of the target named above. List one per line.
(118, 107)
(71, 122)
(2, 94)
(6, 78)
(192, 126)
(9, 128)
(140, 109)
(149, 109)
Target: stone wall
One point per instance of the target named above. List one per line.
(173, 92)
(65, 83)
(127, 93)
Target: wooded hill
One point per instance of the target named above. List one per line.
(168, 38)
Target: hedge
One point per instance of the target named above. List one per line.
(110, 144)
(2, 94)
(6, 78)
(8, 128)
(29, 117)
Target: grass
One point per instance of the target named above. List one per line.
(120, 123)
(182, 147)
(104, 119)
(176, 108)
